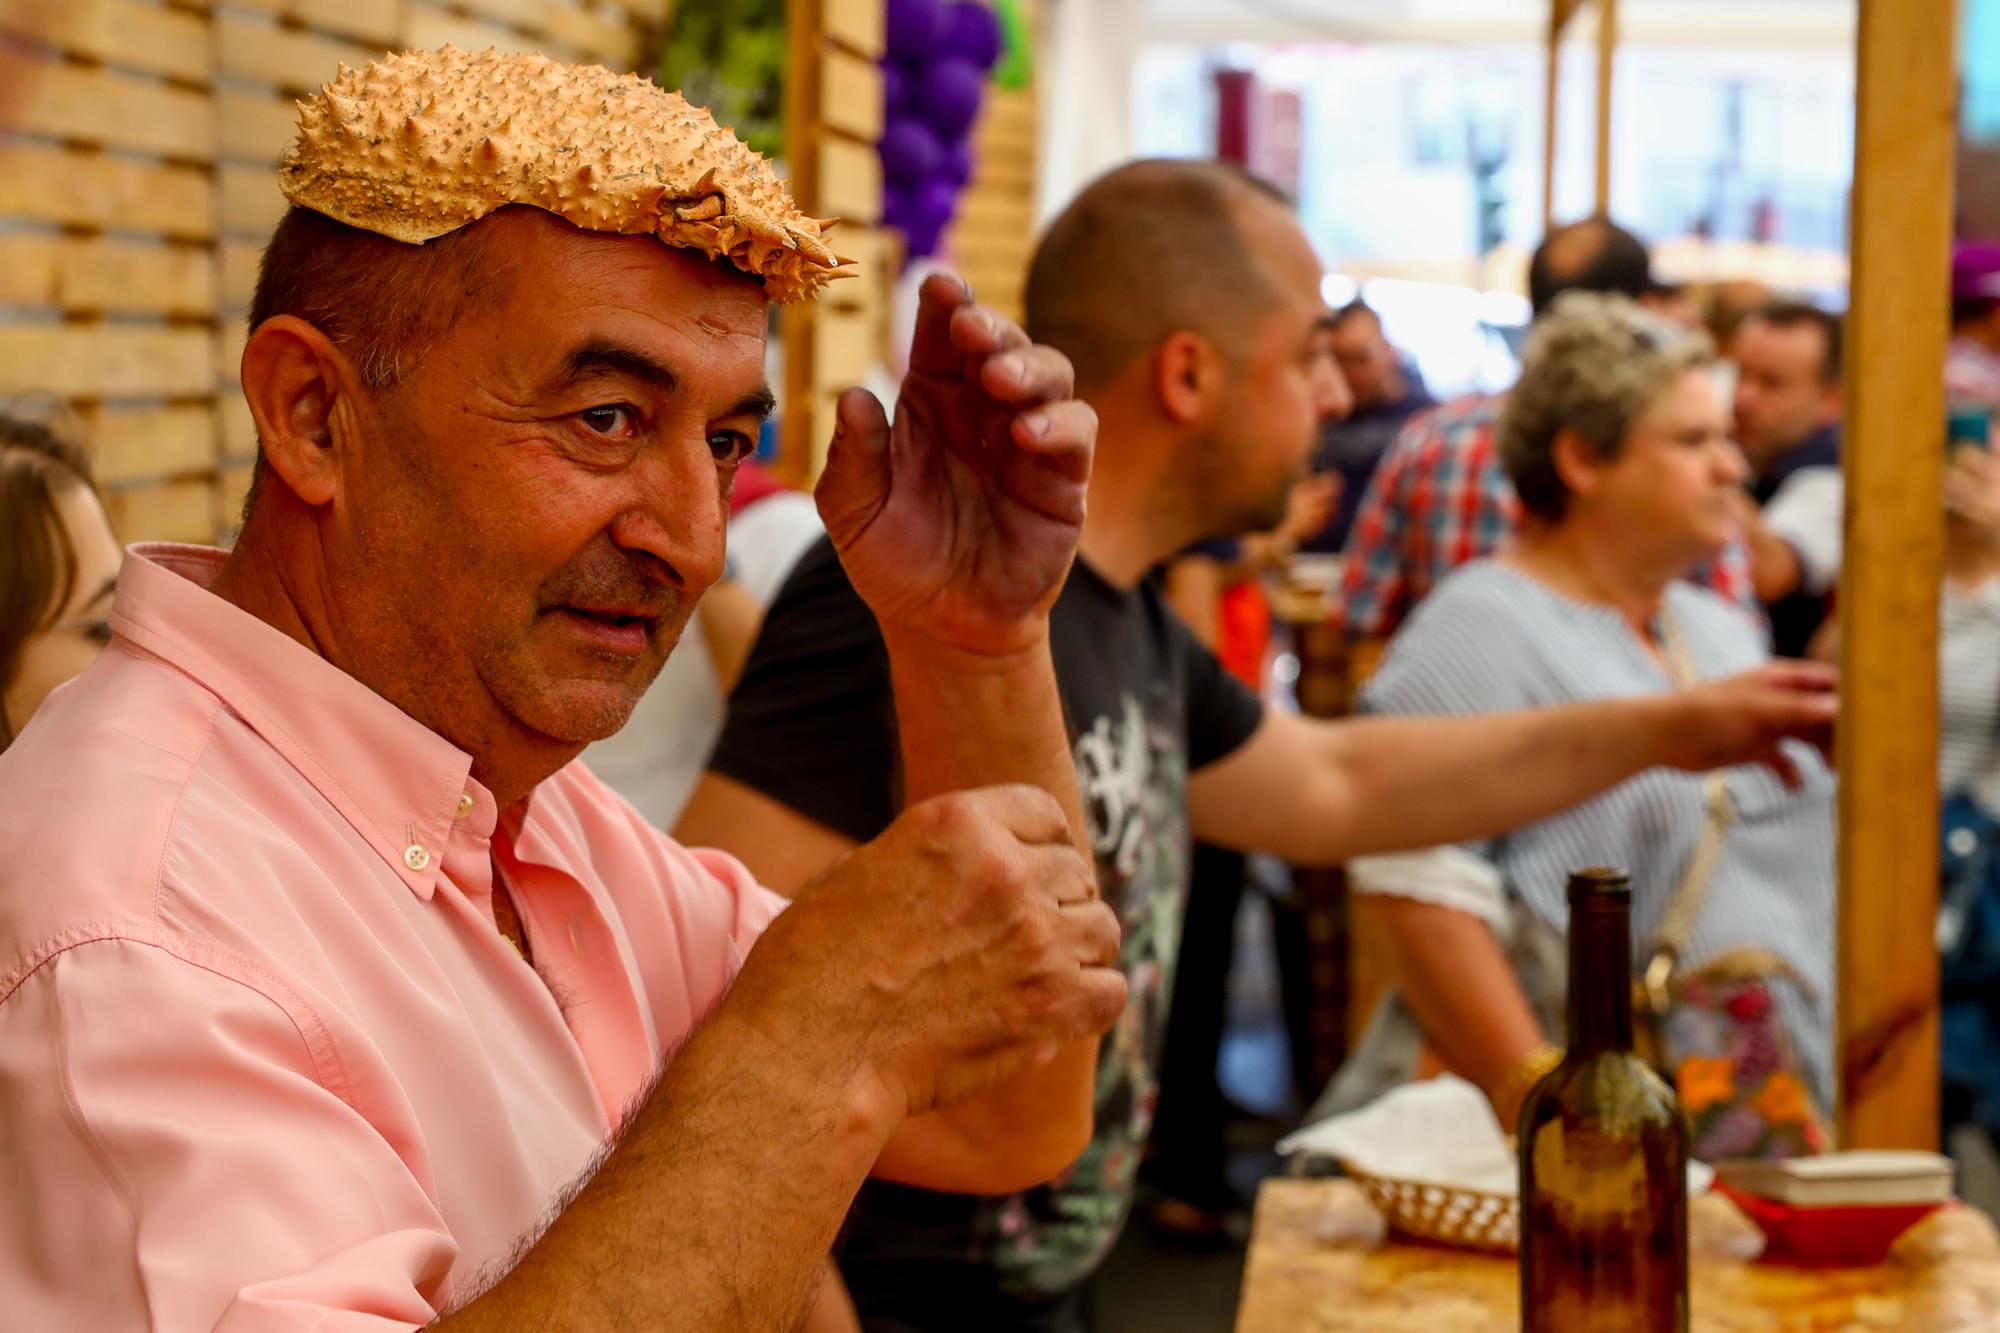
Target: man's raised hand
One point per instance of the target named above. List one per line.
(958, 521)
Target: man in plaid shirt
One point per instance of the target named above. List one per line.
(1441, 497)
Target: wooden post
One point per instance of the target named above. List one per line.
(1904, 137)
(1560, 12)
(833, 116)
(1607, 51)
(1551, 104)
(800, 433)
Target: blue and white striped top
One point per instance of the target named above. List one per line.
(1492, 639)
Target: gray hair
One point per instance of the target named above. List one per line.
(1595, 364)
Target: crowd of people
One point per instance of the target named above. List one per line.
(407, 922)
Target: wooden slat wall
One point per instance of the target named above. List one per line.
(137, 189)
(993, 236)
(107, 263)
(833, 115)
(268, 53)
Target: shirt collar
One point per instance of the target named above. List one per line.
(398, 783)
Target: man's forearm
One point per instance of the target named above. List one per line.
(1407, 782)
(970, 721)
(716, 1207)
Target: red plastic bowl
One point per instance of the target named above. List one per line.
(1857, 1236)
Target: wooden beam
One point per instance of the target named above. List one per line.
(371, 21)
(86, 189)
(854, 24)
(1559, 15)
(846, 181)
(519, 13)
(850, 95)
(297, 62)
(1904, 142)
(105, 361)
(133, 443)
(255, 126)
(1607, 54)
(176, 511)
(252, 203)
(430, 28)
(120, 32)
(92, 274)
(799, 442)
(594, 36)
(106, 107)
(843, 349)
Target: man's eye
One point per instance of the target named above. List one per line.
(730, 446)
(610, 419)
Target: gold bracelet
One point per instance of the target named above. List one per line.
(1524, 1076)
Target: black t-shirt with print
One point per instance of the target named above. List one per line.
(812, 725)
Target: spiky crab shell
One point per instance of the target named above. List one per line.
(420, 144)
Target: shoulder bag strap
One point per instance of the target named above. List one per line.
(1720, 813)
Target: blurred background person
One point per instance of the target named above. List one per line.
(1972, 360)
(1728, 304)
(1216, 588)
(1787, 410)
(1387, 391)
(1724, 307)
(1969, 788)
(57, 570)
(1441, 497)
(1615, 441)
(1673, 302)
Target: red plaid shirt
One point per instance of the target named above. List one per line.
(1441, 499)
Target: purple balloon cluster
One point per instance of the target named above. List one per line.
(932, 80)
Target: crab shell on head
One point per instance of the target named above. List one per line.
(420, 144)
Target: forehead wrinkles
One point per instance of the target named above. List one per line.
(709, 348)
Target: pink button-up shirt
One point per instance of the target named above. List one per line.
(265, 1060)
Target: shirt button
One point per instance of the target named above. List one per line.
(464, 804)
(416, 856)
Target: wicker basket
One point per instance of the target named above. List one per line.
(1446, 1214)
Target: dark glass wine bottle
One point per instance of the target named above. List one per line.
(1604, 1151)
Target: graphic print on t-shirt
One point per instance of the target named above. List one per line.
(1132, 769)
(812, 724)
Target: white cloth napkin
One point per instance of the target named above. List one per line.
(1441, 1131)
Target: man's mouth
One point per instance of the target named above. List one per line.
(621, 630)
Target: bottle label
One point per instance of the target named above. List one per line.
(1604, 1175)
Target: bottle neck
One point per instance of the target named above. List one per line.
(1600, 971)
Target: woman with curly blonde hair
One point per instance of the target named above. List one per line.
(1616, 443)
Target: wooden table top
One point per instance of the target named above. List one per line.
(1319, 1263)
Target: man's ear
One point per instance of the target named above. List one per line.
(302, 394)
(1188, 376)
(1575, 461)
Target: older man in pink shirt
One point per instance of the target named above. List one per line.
(335, 996)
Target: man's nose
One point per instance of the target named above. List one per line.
(1336, 396)
(676, 512)
(1735, 468)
